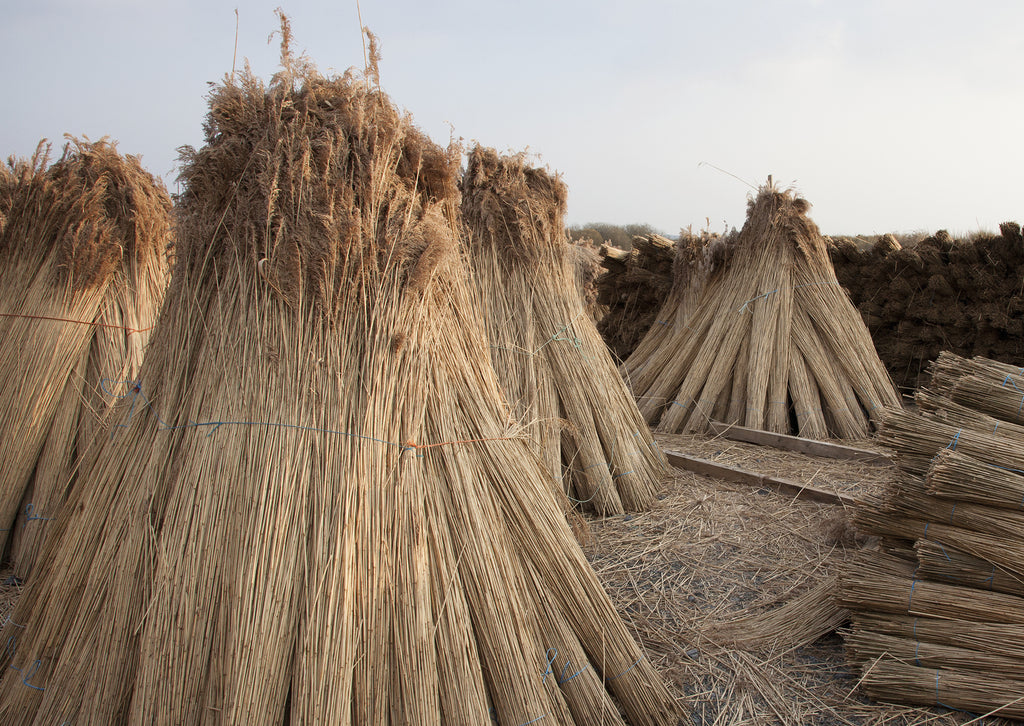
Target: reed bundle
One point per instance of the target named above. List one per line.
(773, 342)
(941, 562)
(985, 693)
(957, 476)
(884, 584)
(557, 372)
(312, 507)
(917, 439)
(1002, 639)
(952, 519)
(798, 622)
(83, 270)
(981, 384)
(691, 266)
(867, 647)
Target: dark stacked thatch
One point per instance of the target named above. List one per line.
(556, 371)
(632, 289)
(312, 508)
(83, 269)
(941, 293)
(939, 611)
(772, 342)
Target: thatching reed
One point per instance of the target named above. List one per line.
(952, 523)
(312, 507)
(981, 384)
(84, 246)
(690, 269)
(556, 371)
(773, 343)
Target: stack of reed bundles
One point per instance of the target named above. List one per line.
(938, 609)
(690, 269)
(558, 376)
(84, 246)
(313, 507)
(632, 288)
(773, 342)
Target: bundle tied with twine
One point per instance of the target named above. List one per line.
(84, 246)
(311, 506)
(774, 342)
(557, 373)
(691, 266)
(937, 615)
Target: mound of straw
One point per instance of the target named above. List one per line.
(773, 342)
(937, 613)
(83, 270)
(557, 373)
(312, 507)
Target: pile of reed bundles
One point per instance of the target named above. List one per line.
(631, 289)
(557, 373)
(772, 342)
(938, 608)
(960, 294)
(313, 508)
(84, 246)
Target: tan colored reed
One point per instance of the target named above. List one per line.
(773, 341)
(314, 509)
(83, 270)
(558, 373)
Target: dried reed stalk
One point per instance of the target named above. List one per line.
(312, 507)
(984, 693)
(947, 563)
(555, 364)
(83, 269)
(957, 476)
(773, 342)
(1002, 639)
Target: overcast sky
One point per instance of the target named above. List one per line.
(887, 115)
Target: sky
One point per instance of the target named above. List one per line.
(887, 115)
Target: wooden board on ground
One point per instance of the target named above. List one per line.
(797, 443)
(743, 476)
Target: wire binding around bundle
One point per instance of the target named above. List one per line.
(135, 390)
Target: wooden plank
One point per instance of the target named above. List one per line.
(797, 443)
(751, 478)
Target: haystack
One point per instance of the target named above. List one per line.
(83, 270)
(312, 507)
(556, 371)
(773, 342)
(939, 608)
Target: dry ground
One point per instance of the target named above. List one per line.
(728, 587)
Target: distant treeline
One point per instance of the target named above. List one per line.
(617, 235)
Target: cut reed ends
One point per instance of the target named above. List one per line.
(312, 507)
(773, 342)
(939, 624)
